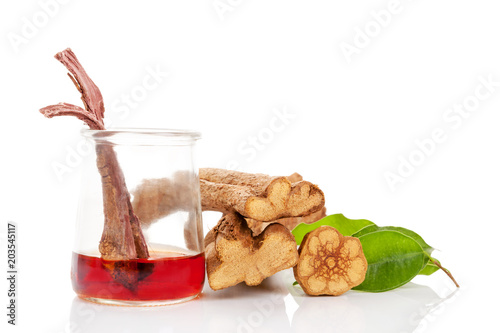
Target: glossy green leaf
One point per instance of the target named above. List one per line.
(393, 260)
(430, 268)
(416, 237)
(395, 255)
(345, 226)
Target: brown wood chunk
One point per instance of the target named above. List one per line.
(234, 256)
(329, 263)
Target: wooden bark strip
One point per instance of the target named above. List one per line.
(122, 238)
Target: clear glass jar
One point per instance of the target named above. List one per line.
(139, 233)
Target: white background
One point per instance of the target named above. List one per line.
(230, 69)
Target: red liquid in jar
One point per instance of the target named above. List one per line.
(171, 276)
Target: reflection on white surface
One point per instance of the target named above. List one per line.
(274, 306)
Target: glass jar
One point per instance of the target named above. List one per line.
(139, 233)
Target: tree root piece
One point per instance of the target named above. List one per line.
(258, 196)
(234, 256)
(289, 222)
(329, 263)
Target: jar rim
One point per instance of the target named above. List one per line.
(165, 135)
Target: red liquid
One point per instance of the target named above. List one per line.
(153, 279)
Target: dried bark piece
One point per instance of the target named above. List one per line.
(224, 197)
(289, 222)
(66, 109)
(122, 238)
(91, 95)
(329, 263)
(234, 256)
(258, 196)
(295, 177)
(157, 198)
(129, 272)
(258, 181)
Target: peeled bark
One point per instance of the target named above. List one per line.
(122, 238)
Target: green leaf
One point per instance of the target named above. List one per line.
(430, 268)
(413, 235)
(395, 255)
(393, 260)
(345, 226)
